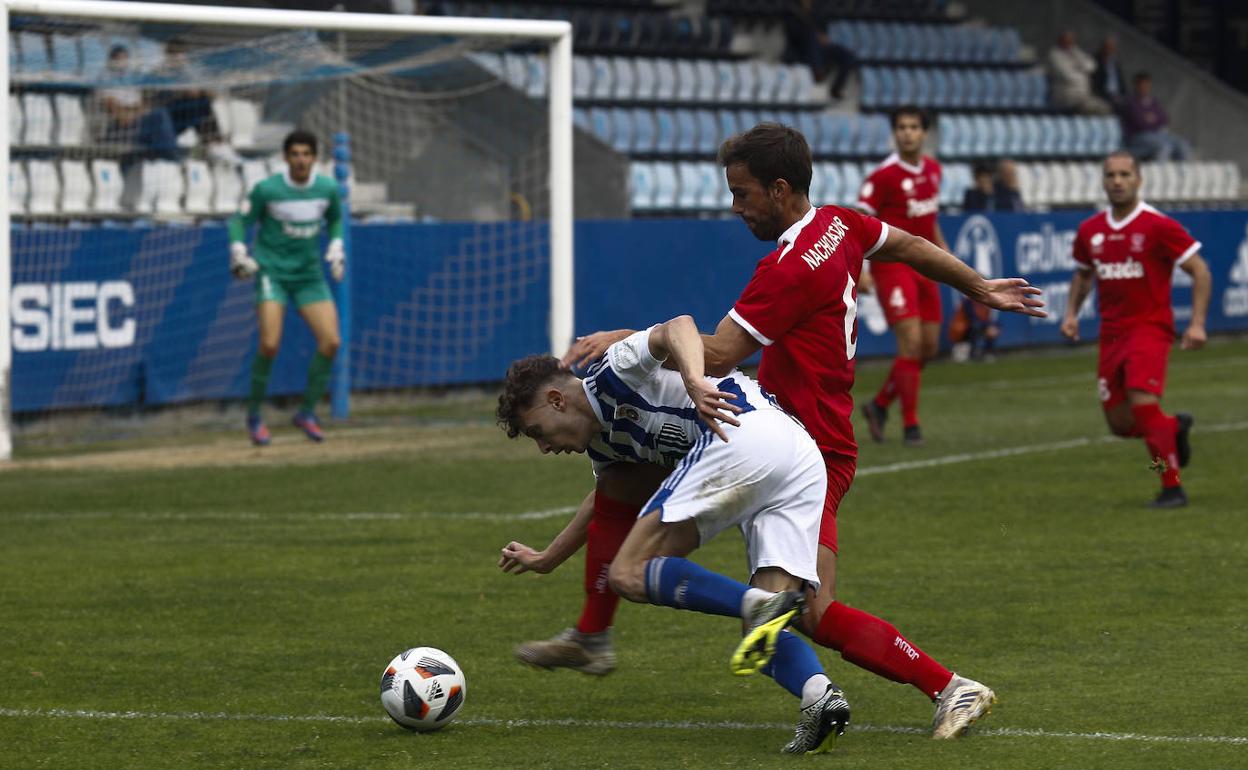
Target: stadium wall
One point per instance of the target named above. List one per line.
(91, 328)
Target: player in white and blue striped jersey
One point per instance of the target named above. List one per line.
(737, 459)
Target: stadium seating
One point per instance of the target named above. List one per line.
(198, 187)
(44, 185)
(161, 188)
(109, 186)
(75, 187)
(18, 188)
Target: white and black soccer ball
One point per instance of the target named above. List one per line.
(423, 689)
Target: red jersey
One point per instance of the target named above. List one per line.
(1133, 259)
(904, 196)
(801, 304)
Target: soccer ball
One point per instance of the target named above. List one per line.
(422, 689)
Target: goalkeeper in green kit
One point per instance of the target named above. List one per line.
(287, 267)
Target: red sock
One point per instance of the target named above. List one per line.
(607, 530)
(1158, 429)
(888, 391)
(907, 373)
(874, 644)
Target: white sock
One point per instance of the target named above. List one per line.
(751, 599)
(814, 689)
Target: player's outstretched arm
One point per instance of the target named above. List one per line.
(588, 349)
(1194, 337)
(678, 343)
(1011, 294)
(1080, 287)
(518, 557)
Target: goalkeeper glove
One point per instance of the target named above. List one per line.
(241, 263)
(337, 259)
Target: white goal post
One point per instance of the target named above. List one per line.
(555, 35)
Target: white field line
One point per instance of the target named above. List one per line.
(874, 470)
(1070, 379)
(608, 724)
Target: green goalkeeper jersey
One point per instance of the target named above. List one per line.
(288, 246)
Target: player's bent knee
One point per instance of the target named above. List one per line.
(627, 580)
(267, 349)
(328, 348)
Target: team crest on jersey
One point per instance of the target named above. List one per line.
(1097, 240)
(1137, 241)
(627, 412)
(907, 184)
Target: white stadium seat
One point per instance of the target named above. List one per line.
(71, 123)
(45, 187)
(254, 171)
(15, 119)
(75, 187)
(198, 187)
(690, 193)
(244, 117)
(641, 186)
(227, 190)
(37, 119)
(161, 187)
(109, 185)
(18, 187)
(666, 186)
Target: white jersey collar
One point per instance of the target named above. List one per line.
(1128, 219)
(293, 185)
(790, 235)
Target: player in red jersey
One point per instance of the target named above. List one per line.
(904, 192)
(1130, 251)
(800, 309)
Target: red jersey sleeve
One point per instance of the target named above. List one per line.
(773, 302)
(870, 232)
(870, 196)
(1174, 244)
(1083, 260)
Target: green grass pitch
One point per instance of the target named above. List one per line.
(193, 602)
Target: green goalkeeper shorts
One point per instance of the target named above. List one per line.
(302, 292)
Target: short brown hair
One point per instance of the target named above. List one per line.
(770, 151)
(1135, 162)
(524, 379)
(912, 111)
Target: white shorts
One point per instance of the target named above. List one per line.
(768, 479)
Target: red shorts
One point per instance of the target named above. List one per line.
(903, 293)
(840, 476)
(1134, 359)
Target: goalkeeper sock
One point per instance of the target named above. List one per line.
(675, 582)
(794, 665)
(876, 645)
(261, 368)
(611, 523)
(318, 381)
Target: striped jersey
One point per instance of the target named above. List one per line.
(290, 215)
(645, 412)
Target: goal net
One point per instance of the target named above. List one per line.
(135, 130)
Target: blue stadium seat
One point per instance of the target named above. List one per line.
(871, 87)
(708, 81)
(665, 79)
(580, 119)
(641, 186)
(1015, 134)
(623, 78)
(65, 55)
(852, 176)
(708, 132)
(726, 75)
(907, 91)
(686, 132)
(646, 137)
(808, 123)
(1113, 134)
(729, 123)
(603, 81)
(689, 186)
(830, 184)
(645, 80)
(666, 186)
(768, 82)
(747, 82)
(625, 130)
(33, 52)
(686, 80)
(715, 192)
(582, 75)
(843, 131)
(748, 119)
(602, 124)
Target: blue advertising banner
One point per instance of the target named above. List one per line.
(147, 316)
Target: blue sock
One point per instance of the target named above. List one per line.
(675, 582)
(793, 664)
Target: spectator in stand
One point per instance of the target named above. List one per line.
(979, 196)
(1146, 125)
(192, 107)
(1070, 77)
(132, 119)
(1005, 189)
(995, 188)
(1107, 81)
(806, 41)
